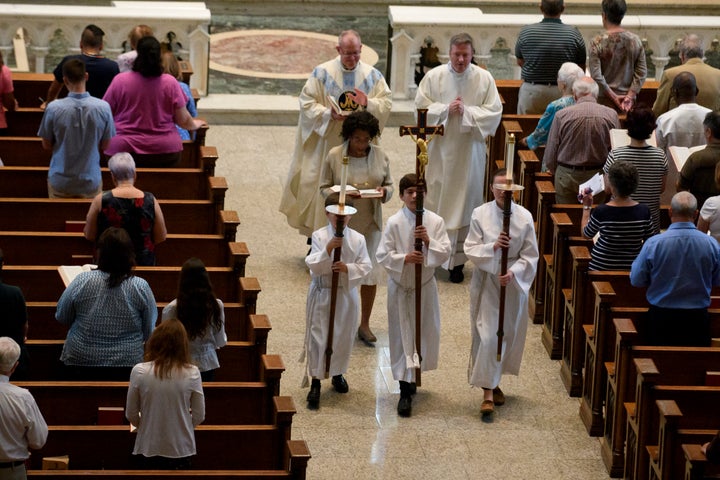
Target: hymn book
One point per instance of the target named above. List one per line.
(69, 272)
(336, 106)
(681, 154)
(364, 192)
(620, 138)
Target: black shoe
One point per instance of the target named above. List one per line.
(404, 407)
(313, 398)
(340, 384)
(456, 274)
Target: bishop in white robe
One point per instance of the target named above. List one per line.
(484, 369)
(318, 131)
(398, 240)
(456, 171)
(354, 255)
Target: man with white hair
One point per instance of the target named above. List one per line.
(707, 78)
(22, 426)
(579, 141)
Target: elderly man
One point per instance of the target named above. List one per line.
(707, 78)
(680, 127)
(579, 141)
(100, 70)
(73, 128)
(345, 82)
(462, 97)
(698, 172)
(22, 426)
(679, 268)
(541, 49)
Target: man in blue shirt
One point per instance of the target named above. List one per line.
(73, 128)
(679, 269)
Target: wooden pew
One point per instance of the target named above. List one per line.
(643, 419)
(95, 447)
(59, 248)
(530, 166)
(181, 216)
(42, 283)
(697, 466)
(164, 183)
(31, 88)
(546, 199)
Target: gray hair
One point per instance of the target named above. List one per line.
(345, 33)
(585, 86)
(122, 166)
(569, 72)
(9, 354)
(691, 46)
(683, 204)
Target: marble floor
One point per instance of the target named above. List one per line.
(536, 435)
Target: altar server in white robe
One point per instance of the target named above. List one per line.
(464, 99)
(353, 266)
(484, 248)
(398, 255)
(354, 85)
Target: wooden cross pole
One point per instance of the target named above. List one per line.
(419, 134)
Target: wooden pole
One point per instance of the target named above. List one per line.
(507, 205)
(333, 295)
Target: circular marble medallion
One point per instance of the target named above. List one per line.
(283, 54)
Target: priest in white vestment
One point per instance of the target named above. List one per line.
(483, 247)
(353, 85)
(353, 266)
(464, 99)
(397, 254)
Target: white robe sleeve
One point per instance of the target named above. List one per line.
(479, 245)
(525, 266)
(314, 113)
(484, 118)
(437, 252)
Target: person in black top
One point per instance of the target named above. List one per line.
(13, 321)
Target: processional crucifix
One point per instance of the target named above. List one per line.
(419, 134)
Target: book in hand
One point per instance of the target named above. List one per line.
(681, 154)
(620, 138)
(596, 184)
(69, 272)
(336, 106)
(364, 193)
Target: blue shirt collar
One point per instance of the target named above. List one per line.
(78, 95)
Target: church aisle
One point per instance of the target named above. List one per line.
(537, 434)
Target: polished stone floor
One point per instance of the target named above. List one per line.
(536, 435)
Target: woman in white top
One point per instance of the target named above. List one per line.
(165, 400)
(202, 314)
(709, 220)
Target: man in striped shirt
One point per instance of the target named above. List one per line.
(541, 49)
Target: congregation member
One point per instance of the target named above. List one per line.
(579, 141)
(165, 401)
(14, 322)
(147, 104)
(202, 314)
(398, 255)
(351, 84)
(681, 126)
(484, 248)
(566, 77)
(101, 70)
(126, 60)
(110, 314)
(697, 174)
(7, 96)
(679, 267)
(22, 426)
(368, 169)
(707, 78)
(650, 162)
(464, 99)
(353, 266)
(76, 128)
(622, 224)
(617, 59)
(129, 208)
(709, 219)
(541, 49)
(171, 66)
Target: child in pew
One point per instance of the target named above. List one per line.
(202, 314)
(165, 400)
(397, 254)
(353, 266)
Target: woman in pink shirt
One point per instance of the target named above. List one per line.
(146, 104)
(6, 95)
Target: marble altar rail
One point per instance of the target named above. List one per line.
(50, 31)
(495, 35)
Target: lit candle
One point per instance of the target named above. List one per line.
(343, 181)
(510, 150)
